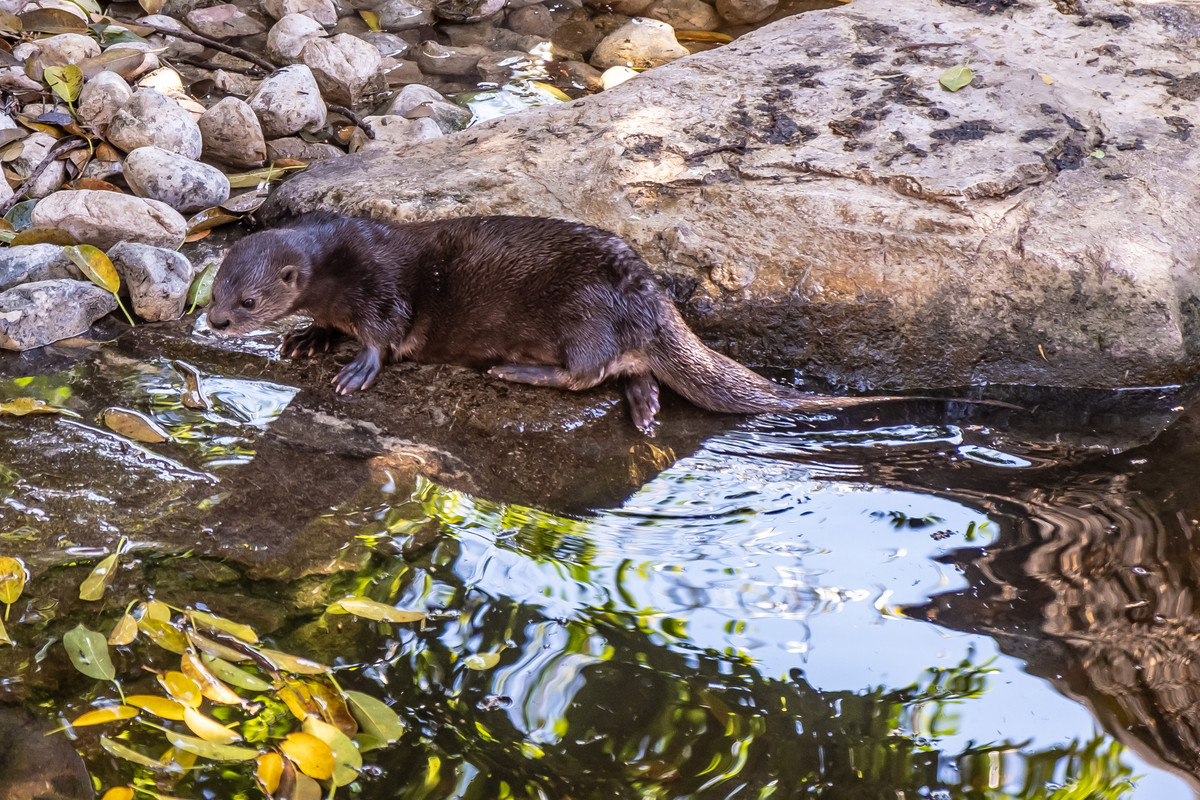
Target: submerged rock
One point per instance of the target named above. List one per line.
(36, 314)
(852, 217)
(105, 218)
(157, 279)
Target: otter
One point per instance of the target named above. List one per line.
(529, 299)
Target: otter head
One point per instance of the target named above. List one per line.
(261, 279)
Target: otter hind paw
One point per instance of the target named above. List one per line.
(359, 373)
(642, 393)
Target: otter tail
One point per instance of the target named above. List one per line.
(710, 380)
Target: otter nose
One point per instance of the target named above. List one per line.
(218, 322)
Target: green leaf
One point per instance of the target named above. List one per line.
(66, 82)
(956, 78)
(481, 660)
(211, 750)
(375, 717)
(235, 676)
(370, 609)
(94, 584)
(212, 622)
(88, 651)
(347, 761)
(113, 747)
(21, 215)
(200, 293)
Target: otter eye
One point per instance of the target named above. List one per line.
(249, 302)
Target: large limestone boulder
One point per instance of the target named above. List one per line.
(817, 199)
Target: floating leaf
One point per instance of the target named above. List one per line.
(295, 785)
(290, 663)
(94, 584)
(120, 750)
(210, 218)
(313, 757)
(235, 676)
(103, 715)
(331, 705)
(200, 293)
(118, 792)
(134, 425)
(99, 269)
(12, 579)
(347, 760)
(956, 78)
(194, 397)
(66, 82)
(210, 686)
(182, 688)
(29, 405)
(370, 609)
(481, 660)
(375, 717)
(52, 20)
(163, 707)
(124, 632)
(88, 651)
(163, 634)
(208, 728)
(155, 609)
(551, 90)
(267, 772)
(217, 624)
(211, 750)
(216, 649)
(42, 235)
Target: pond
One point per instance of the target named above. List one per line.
(919, 600)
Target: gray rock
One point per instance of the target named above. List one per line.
(185, 185)
(581, 31)
(898, 235)
(416, 101)
(104, 170)
(345, 67)
(435, 59)
(105, 218)
(467, 10)
(401, 15)
(323, 12)
(14, 79)
(503, 65)
(232, 134)
(288, 101)
(225, 21)
(153, 119)
(403, 73)
(640, 43)
(297, 148)
(584, 76)
(388, 44)
(56, 51)
(36, 314)
(288, 37)
(479, 33)
(36, 147)
(685, 15)
(394, 134)
(27, 263)
(746, 12)
(533, 20)
(629, 8)
(101, 98)
(175, 47)
(157, 279)
(236, 83)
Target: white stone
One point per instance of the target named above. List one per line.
(345, 67)
(394, 134)
(640, 43)
(288, 37)
(416, 100)
(436, 59)
(323, 12)
(401, 15)
(37, 146)
(296, 148)
(185, 185)
(175, 47)
(233, 135)
(151, 118)
(288, 101)
(101, 98)
(36, 314)
(225, 21)
(105, 218)
(157, 279)
(615, 76)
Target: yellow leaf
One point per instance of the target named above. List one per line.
(125, 631)
(289, 663)
(347, 760)
(163, 707)
(95, 265)
(66, 81)
(156, 609)
(310, 754)
(102, 715)
(268, 772)
(1045, 78)
(370, 609)
(94, 585)
(371, 18)
(134, 425)
(12, 580)
(166, 636)
(212, 622)
(4, 637)
(209, 729)
(118, 793)
(182, 688)
(28, 405)
(210, 686)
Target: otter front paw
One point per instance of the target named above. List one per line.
(642, 393)
(311, 340)
(359, 373)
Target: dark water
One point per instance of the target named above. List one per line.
(920, 604)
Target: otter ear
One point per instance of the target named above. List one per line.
(290, 275)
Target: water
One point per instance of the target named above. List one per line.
(917, 601)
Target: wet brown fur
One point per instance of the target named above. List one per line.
(530, 299)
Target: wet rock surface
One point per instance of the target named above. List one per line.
(940, 240)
